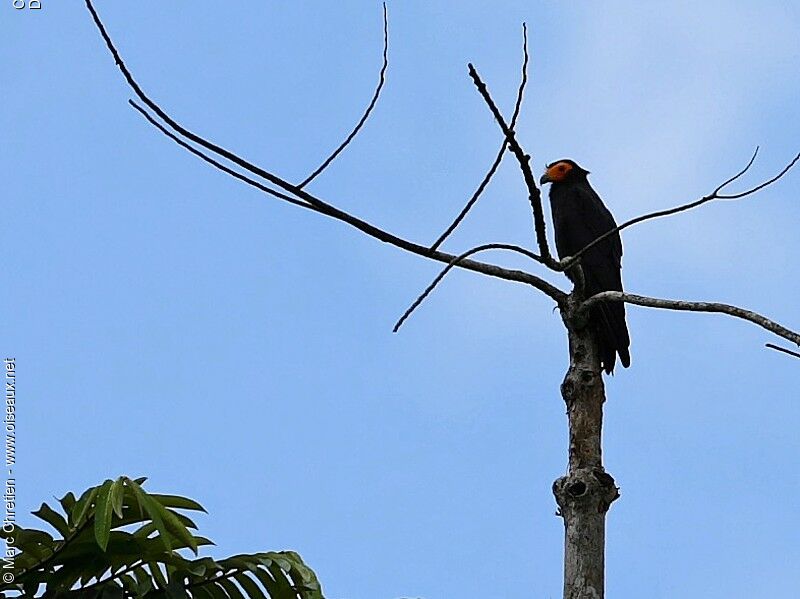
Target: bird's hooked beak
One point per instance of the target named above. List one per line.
(545, 178)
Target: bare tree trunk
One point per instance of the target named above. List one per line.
(586, 492)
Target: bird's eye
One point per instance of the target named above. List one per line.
(562, 168)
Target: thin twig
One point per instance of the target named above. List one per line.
(740, 173)
(783, 349)
(177, 127)
(365, 116)
(534, 194)
(314, 202)
(454, 262)
(215, 163)
(499, 158)
(667, 304)
(715, 195)
(760, 186)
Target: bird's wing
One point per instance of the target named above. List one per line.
(597, 221)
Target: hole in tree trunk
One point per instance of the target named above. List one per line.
(577, 489)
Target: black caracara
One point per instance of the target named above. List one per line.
(580, 217)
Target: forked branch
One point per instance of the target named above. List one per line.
(783, 349)
(501, 152)
(524, 160)
(365, 116)
(557, 294)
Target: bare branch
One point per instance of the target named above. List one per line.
(365, 116)
(216, 163)
(473, 200)
(302, 196)
(667, 304)
(752, 190)
(496, 164)
(534, 195)
(739, 174)
(715, 195)
(174, 125)
(481, 267)
(557, 294)
(783, 349)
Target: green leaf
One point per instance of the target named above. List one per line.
(53, 518)
(81, 509)
(67, 502)
(275, 589)
(205, 591)
(250, 587)
(29, 588)
(143, 579)
(166, 521)
(112, 591)
(33, 541)
(230, 588)
(187, 522)
(282, 562)
(102, 515)
(177, 528)
(144, 562)
(158, 575)
(130, 585)
(64, 577)
(145, 530)
(93, 568)
(153, 510)
(177, 502)
(302, 576)
(117, 493)
(281, 576)
(176, 589)
(180, 563)
(217, 591)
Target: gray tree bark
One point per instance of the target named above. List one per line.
(586, 492)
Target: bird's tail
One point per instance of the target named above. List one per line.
(611, 330)
(612, 334)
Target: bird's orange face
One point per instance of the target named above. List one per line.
(556, 172)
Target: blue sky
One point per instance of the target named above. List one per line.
(168, 321)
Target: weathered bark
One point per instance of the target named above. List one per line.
(586, 492)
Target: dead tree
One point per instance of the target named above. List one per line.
(586, 492)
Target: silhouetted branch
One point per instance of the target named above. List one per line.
(557, 294)
(305, 199)
(248, 166)
(740, 173)
(216, 164)
(760, 186)
(496, 164)
(534, 195)
(783, 349)
(481, 267)
(715, 195)
(372, 103)
(667, 304)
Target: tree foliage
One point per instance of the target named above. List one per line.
(117, 540)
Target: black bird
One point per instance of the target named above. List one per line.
(580, 217)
